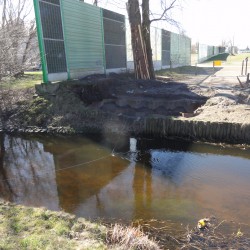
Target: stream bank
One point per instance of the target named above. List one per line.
(157, 108)
(38, 228)
(132, 107)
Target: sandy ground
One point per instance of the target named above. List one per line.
(228, 100)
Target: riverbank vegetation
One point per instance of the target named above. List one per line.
(38, 228)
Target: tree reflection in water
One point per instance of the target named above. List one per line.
(27, 173)
(142, 183)
(141, 179)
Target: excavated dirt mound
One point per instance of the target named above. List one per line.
(140, 98)
(192, 101)
(122, 104)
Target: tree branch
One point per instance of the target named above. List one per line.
(171, 6)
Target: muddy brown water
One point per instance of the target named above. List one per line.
(127, 179)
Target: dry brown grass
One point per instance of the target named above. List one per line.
(126, 238)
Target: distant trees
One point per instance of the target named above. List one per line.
(18, 42)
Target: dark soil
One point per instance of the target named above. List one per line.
(118, 104)
(88, 102)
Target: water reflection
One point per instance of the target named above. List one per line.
(27, 173)
(139, 178)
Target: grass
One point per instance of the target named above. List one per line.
(131, 237)
(178, 70)
(27, 228)
(184, 72)
(38, 228)
(237, 58)
(221, 57)
(28, 80)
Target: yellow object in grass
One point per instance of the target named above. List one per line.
(203, 223)
(239, 233)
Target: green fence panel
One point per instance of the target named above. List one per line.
(83, 34)
(180, 50)
(51, 40)
(174, 49)
(207, 51)
(166, 47)
(184, 50)
(114, 41)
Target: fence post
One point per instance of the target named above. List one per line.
(246, 65)
(242, 68)
(40, 41)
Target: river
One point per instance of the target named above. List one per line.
(127, 179)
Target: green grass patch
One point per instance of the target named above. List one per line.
(37, 112)
(183, 71)
(237, 58)
(219, 57)
(38, 228)
(178, 70)
(28, 80)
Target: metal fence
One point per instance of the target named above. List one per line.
(51, 42)
(168, 49)
(77, 39)
(180, 50)
(207, 51)
(114, 40)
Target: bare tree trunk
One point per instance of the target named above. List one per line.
(138, 44)
(146, 37)
(4, 13)
(32, 34)
(140, 34)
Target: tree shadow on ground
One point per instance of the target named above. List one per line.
(190, 70)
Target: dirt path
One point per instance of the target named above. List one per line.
(228, 100)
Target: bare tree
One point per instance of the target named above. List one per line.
(138, 43)
(4, 12)
(140, 33)
(146, 36)
(18, 43)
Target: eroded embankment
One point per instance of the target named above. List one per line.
(156, 108)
